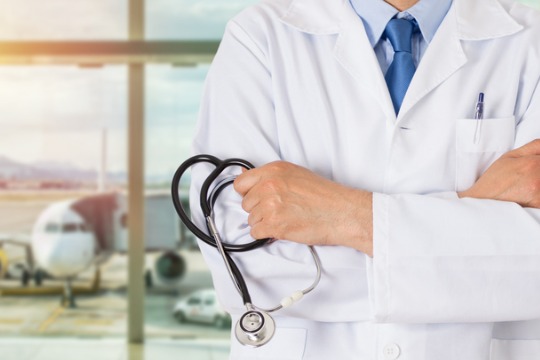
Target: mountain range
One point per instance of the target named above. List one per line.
(48, 170)
(12, 170)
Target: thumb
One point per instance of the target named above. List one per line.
(245, 181)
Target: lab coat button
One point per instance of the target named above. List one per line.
(391, 352)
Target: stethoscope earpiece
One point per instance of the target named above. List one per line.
(255, 328)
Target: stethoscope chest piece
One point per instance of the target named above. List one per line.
(255, 328)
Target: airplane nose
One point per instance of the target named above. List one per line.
(62, 256)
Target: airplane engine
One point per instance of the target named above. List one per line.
(168, 269)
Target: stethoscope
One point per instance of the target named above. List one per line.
(255, 327)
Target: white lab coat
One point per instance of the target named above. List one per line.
(451, 278)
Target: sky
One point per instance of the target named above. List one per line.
(58, 113)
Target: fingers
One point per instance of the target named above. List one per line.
(260, 227)
(248, 179)
(262, 231)
(248, 184)
(255, 217)
(245, 181)
(261, 190)
(531, 148)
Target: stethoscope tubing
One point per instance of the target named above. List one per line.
(208, 198)
(207, 203)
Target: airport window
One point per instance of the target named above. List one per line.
(68, 124)
(177, 270)
(190, 19)
(63, 19)
(532, 3)
(63, 126)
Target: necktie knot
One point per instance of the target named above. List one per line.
(399, 32)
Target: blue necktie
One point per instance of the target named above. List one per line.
(400, 73)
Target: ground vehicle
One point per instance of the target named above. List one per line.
(202, 306)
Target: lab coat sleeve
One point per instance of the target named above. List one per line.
(444, 259)
(237, 120)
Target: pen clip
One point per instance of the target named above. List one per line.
(478, 116)
(479, 110)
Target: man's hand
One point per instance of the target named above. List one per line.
(286, 201)
(514, 177)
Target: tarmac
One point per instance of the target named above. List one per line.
(111, 349)
(103, 312)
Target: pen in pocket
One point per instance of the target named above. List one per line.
(479, 115)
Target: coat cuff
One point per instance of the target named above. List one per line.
(378, 266)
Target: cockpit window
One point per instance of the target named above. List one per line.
(70, 228)
(52, 228)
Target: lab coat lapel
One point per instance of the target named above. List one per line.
(355, 53)
(466, 20)
(352, 50)
(443, 57)
(484, 20)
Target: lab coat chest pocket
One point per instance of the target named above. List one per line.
(478, 144)
(515, 349)
(286, 344)
(516, 340)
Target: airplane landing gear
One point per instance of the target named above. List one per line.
(38, 277)
(68, 298)
(25, 278)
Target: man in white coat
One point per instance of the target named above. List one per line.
(424, 213)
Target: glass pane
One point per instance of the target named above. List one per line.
(533, 3)
(62, 127)
(63, 19)
(190, 19)
(177, 304)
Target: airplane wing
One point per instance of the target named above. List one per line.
(15, 239)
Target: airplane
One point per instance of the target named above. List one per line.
(71, 236)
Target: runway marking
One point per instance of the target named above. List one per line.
(94, 322)
(51, 319)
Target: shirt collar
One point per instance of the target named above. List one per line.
(375, 14)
